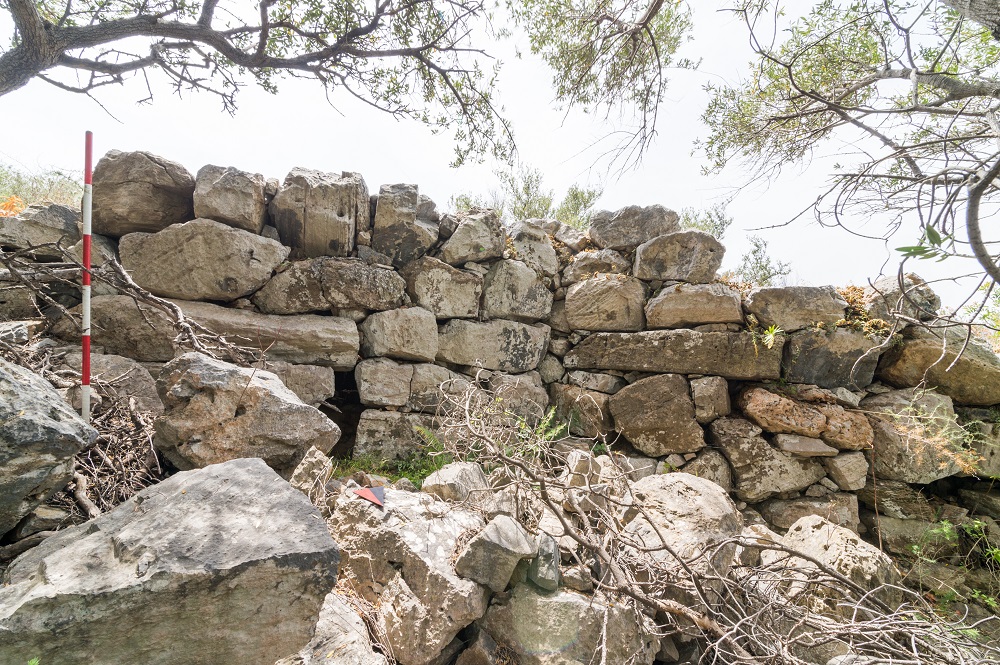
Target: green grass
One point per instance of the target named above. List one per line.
(414, 468)
(40, 187)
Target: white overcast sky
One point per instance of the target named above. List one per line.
(43, 127)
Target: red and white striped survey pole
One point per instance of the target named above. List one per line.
(88, 195)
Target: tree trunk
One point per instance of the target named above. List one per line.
(985, 12)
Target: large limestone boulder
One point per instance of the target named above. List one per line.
(913, 299)
(404, 334)
(688, 256)
(631, 226)
(656, 415)
(512, 290)
(325, 283)
(391, 435)
(840, 508)
(118, 377)
(686, 305)
(399, 559)
(231, 196)
(730, 355)
(201, 260)
(606, 302)
(39, 436)
(215, 412)
(592, 262)
(492, 555)
(397, 231)
(447, 292)
(566, 628)
(123, 327)
(841, 358)
(926, 355)
(478, 237)
(792, 308)
(761, 470)
(39, 225)
(533, 246)
(499, 344)
(318, 214)
(585, 411)
(227, 564)
(140, 192)
(341, 638)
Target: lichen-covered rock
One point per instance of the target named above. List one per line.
(730, 355)
(431, 385)
(838, 359)
(534, 247)
(927, 355)
(39, 437)
(391, 435)
(201, 260)
(914, 299)
(587, 264)
(792, 308)
(502, 345)
(232, 537)
(215, 412)
(231, 196)
(448, 292)
(803, 446)
(404, 334)
(585, 411)
(311, 383)
(711, 465)
(631, 226)
(383, 382)
(848, 470)
(760, 469)
(779, 414)
(688, 256)
(602, 383)
(711, 398)
(846, 430)
(685, 305)
(397, 232)
(896, 499)
(325, 283)
(478, 237)
(606, 302)
(319, 214)
(39, 225)
(512, 290)
(840, 508)
(492, 555)
(399, 559)
(522, 394)
(656, 415)
(138, 191)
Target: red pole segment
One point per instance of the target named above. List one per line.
(88, 194)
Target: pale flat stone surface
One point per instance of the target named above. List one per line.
(792, 308)
(686, 305)
(688, 256)
(231, 196)
(656, 415)
(319, 214)
(139, 191)
(606, 302)
(803, 446)
(502, 345)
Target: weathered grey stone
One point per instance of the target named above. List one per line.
(804, 446)
(656, 415)
(730, 355)
(981, 501)
(565, 627)
(925, 358)
(688, 256)
(499, 345)
(311, 383)
(557, 318)
(138, 191)
(319, 284)
(341, 638)
(231, 196)
(987, 447)
(586, 411)
(399, 559)
(44, 518)
(711, 398)
(896, 499)
(840, 508)
(575, 239)
(448, 292)
(792, 308)
(512, 290)
(587, 264)
(902, 536)
(39, 436)
(606, 302)
(398, 232)
(544, 568)
(760, 469)
(459, 482)
(430, 384)
(17, 302)
(200, 260)
(234, 537)
(685, 305)
(779, 414)
(846, 430)
(404, 334)
(522, 394)
(312, 472)
(478, 237)
(631, 226)
(215, 412)
(39, 225)
(491, 556)
(711, 465)
(841, 358)
(604, 383)
(391, 435)
(848, 470)
(383, 382)
(534, 247)
(102, 250)
(319, 214)
(118, 377)
(550, 369)
(914, 299)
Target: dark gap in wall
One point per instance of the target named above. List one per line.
(345, 409)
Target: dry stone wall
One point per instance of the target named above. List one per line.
(781, 395)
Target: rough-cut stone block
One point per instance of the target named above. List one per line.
(586, 411)
(914, 299)
(685, 305)
(587, 264)
(491, 556)
(325, 283)
(383, 382)
(803, 446)
(38, 225)
(779, 414)
(656, 415)
(848, 470)
(631, 226)
(840, 508)
(534, 247)
(606, 302)
(512, 290)
(390, 435)
(838, 359)
(231, 196)
(688, 256)
(500, 345)
(602, 383)
(138, 191)
(448, 292)
(397, 231)
(478, 237)
(404, 334)
(711, 465)
(311, 383)
(731, 355)
(711, 398)
(846, 430)
(319, 214)
(792, 308)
